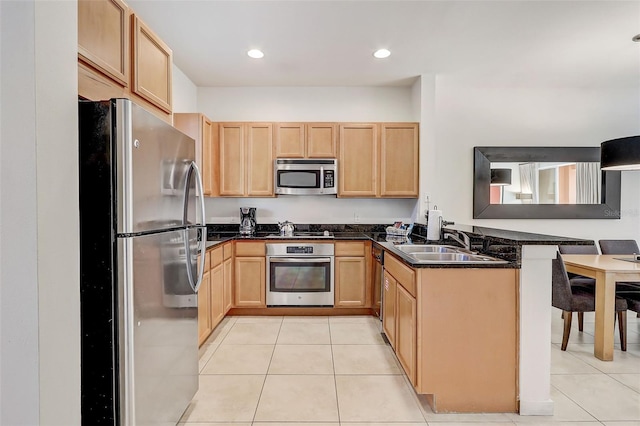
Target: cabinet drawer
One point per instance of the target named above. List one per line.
(216, 256)
(350, 248)
(250, 248)
(401, 272)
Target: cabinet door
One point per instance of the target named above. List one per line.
(204, 302)
(231, 165)
(152, 66)
(228, 284)
(399, 170)
(217, 295)
(389, 309)
(259, 160)
(406, 332)
(350, 282)
(206, 167)
(358, 160)
(250, 282)
(103, 37)
(289, 140)
(321, 140)
(199, 127)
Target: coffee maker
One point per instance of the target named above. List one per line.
(247, 220)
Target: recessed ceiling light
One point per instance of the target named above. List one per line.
(636, 38)
(255, 53)
(381, 53)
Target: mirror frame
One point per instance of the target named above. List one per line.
(609, 208)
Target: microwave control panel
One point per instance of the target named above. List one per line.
(329, 180)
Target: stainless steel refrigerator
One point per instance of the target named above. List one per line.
(141, 229)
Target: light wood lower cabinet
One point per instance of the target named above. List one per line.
(405, 342)
(389, 308)
(468, 337)
(217, 295)
(228, 276)
(399, 313)
(204, 303)
(352, 274)
(250, 274)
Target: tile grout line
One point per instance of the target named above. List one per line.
(333, 364)
(255, 412)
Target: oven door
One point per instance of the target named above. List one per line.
(299, 281)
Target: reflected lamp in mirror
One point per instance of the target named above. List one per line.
(500, 177)
(620, 154)
(547, 183)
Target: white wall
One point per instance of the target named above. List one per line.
(39, 249)
(306, 103)
(353, 104)
(19, 397)
(473, 114)
(185, 93)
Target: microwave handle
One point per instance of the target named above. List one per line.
(322, 178)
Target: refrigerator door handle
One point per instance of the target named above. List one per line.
(195, 284)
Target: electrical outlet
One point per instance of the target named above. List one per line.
(356, 218)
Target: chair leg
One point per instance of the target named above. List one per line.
(567, 329)
(622, 326)
(580, 321)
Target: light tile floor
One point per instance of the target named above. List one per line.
(322, 371)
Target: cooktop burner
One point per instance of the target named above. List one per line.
(303, 235)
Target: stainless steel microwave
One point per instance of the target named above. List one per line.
(298, 176)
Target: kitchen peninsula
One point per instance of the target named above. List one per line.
(454, 327)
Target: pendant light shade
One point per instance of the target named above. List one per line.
(620, 154)
(500, 177)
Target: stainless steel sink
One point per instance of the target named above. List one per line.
(418, 248)
(453, 257)
(443, 254)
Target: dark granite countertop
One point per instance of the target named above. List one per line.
(517, 237)
(500, 243)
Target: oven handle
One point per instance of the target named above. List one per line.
(299, 259)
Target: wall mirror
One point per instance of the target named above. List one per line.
(543, 183)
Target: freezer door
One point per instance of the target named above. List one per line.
(158, 329)
(152, 161)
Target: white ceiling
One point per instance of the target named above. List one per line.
(330, 43)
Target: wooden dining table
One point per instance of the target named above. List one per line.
(607, 269)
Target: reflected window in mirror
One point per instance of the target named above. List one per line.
(546, 183)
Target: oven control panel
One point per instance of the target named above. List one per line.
(299, 249)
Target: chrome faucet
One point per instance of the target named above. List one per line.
(465, 241)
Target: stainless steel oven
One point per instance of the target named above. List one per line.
(300, 274)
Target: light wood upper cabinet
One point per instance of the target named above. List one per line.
(321, 140)
(305, 140)
(259, 162)
(358, 160)
(246, 159)
(120, 57)
(103, 37)
(152, 66)
(200, 128)
(384, 164)
(290, 140)
(232, 158)
(399, 160)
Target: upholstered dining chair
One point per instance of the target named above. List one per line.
(628, 290)
(574, 299)
(578, 281)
